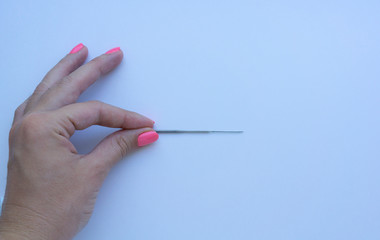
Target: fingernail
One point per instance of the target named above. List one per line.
(113, 50)
(77, 48)
(147, 138)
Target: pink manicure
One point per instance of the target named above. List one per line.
(113, 50)
(77, 48)
(147, 138)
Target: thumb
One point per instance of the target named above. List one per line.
(118, 144)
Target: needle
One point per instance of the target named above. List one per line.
(196, 131)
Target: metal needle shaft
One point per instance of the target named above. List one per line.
(197, 131)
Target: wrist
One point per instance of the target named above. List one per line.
(24, 224)
(10, 231)
(11, 236)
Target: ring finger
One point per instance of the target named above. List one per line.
(69, 89)
(63, 68)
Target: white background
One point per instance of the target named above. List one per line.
(301, 78)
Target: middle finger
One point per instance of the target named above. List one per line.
(69, 89)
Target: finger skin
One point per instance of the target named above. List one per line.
(51, 189)
(79, 116)
(115, 147)
(67, 65)
(69, 89)
(20, 111)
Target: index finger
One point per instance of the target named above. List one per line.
(79, 116)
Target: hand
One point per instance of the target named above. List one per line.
(51, 189)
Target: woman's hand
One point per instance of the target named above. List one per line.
(51, 189)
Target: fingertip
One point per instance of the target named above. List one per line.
(121, 54)
(134, 120)
(79, 52)
(77, 48)
(113, 50)
(116, 52)
(151, 122)
(84, 50)
(147, 137)
(121, 143)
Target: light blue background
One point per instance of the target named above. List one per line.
(302, 78)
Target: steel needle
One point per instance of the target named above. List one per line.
(198, 131)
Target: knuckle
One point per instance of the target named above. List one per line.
(66, 61)
(19, 110)
(96, 104)
(123, 145)
(66, 83)
(66, 80)
(98, 107)
(41, 88)
(32, 124)
(97, 65)
(96, 61)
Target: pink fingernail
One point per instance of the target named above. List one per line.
(77, 48)
(147, 138)
(113, 50)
